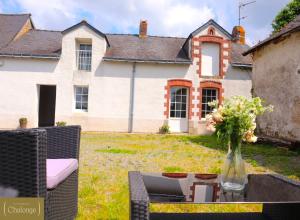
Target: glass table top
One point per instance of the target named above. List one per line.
(206, 188)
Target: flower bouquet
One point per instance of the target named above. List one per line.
(234, 122)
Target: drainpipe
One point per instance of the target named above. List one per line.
(131, 105)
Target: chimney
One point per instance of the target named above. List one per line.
(238, 34)
(143, 29)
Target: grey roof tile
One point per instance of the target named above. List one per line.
(123, 47)
(237, 57)
(10, 25)
(151, 48)
(35, 43)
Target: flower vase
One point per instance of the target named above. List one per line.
(233, 176)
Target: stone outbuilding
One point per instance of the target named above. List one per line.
(276, 79)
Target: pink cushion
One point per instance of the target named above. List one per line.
(58, 170)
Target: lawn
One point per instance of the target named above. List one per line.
(106, 158)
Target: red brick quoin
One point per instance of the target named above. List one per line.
(210, 84)
(211, 39)
(182, 83)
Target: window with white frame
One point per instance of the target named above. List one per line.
(178, 102)
(208, 95)
(81, 98)
(84, 57)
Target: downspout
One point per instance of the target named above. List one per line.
(132, 91)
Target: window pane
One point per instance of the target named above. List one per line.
(172, 114)
(184, 99)
(84, 106)
(81, 97)
(172, 106)
(208, 95)
(183, 107)
(84, 98)
(78, 90)
(84, 55)
(183, 114)
(184, 91)
(177, 114)
(178, 106)
(178, 98)
(78, 98)
(178, 92)
(78, 105)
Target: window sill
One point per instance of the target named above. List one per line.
(83, 71)
(80, 111)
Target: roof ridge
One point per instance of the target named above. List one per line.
(147, 35)
(38, 29)
(15, 14)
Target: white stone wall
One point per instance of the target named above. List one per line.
(237, 81)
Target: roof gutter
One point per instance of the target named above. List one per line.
(30, 56)
(146, 61)
(259, 45)
(242, 65)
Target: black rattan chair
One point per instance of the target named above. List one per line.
(23, 156)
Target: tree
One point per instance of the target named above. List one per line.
(286, 15)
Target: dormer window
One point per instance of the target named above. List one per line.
(84, 57)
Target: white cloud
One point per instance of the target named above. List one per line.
(165, 17)
(182, 18)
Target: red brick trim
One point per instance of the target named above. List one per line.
(183, 83)
(211, 39)
(210, 84)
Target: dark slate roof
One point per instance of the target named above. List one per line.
(149, 49)
(289, 28)
(10, 25)
(237, 57)
(39, 43)
(122, 47)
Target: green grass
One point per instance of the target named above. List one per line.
(105, 160)
(116, 151)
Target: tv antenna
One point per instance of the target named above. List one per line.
(241, 5)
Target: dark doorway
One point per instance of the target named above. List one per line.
(47, 105)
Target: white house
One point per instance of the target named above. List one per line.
(117, 82)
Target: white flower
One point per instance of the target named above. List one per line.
(253, 139)
(211, 127)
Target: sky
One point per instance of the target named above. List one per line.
(165, 17)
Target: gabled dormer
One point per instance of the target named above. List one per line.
(84, 46)
(209, 47)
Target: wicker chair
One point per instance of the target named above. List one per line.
(23, 155)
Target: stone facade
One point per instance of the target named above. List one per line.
(276, 78)
(111, 83)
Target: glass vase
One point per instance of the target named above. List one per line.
(233, 176)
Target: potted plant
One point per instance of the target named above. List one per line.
(234, 122)
(61, 123)
(165, 129)
(23, 122)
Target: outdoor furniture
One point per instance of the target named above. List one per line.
(24, 158)
(279, 196)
